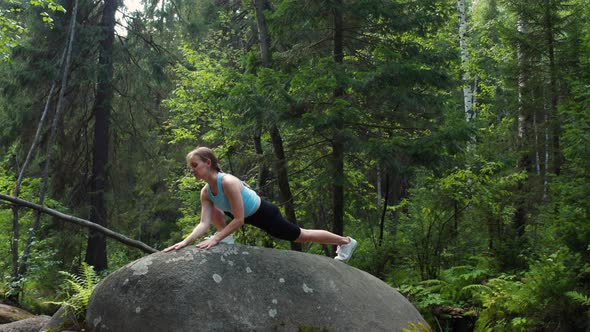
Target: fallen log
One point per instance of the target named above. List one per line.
(82, 222)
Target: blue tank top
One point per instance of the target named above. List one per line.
(249, 198)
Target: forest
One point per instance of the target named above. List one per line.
(450, 138)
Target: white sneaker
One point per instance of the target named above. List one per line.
(345, 251)
(227, 240)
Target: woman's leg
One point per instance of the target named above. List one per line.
(218, 219)
(321, 237)
(219, 222)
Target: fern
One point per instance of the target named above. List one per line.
(420, 327)
(579, 297)
(479, 288)
(79, 288)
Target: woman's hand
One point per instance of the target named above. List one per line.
(208, 243)
(177, 246)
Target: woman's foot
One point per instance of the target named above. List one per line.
(227, 240)
(344, 251)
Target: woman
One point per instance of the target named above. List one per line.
(226, 193)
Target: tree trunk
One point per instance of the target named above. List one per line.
(283, 176)
(263, 172)
(263, 35)
(266, 57)
(384, 211)
(16, 192)
(52, 140)
(277, 141)
(465, 59)
(554, 123)
(19, 265)
(96, 254)
(337, 138)
(524, 126)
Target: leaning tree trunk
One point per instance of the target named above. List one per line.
(19, 266)
(52, 140)
(277, 141)
(283, 176)
(96, 254)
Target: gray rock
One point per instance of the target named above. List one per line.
(32, 324)
(63, 319)
(9, 314)
(241, 288)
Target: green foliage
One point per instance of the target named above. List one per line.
(190, 74)
(569, 216)
(579, 297)
(78, 288)
(441, 211)
(11, 23)
(535, 300)
(420, 327)
(196, 105)
(452, 289)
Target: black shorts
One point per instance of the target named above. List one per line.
(268, 217)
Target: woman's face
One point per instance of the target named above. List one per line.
(198, 167)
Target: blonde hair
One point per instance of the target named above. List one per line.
(204, 154)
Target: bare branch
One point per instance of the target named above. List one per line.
(82, 222)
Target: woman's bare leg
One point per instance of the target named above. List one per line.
(321, 237)
(218, 219)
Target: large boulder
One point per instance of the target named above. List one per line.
(242, 288)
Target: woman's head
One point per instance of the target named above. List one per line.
(204, 154)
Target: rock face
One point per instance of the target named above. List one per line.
(242, 288)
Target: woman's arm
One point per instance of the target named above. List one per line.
(232, 187)
(207, 209)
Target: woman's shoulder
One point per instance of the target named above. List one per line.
(229, 180)
(205, 192)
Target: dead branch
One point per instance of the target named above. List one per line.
(81, 222)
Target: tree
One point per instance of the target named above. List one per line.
(52, 140)
(468, 85)
(96, 254)
(287, 199)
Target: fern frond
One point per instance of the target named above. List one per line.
(432, 282)
(420, 327)
(81, 287)
(579, 297)
(478, 288)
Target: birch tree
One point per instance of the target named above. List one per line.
(524, 119)
(469, 84)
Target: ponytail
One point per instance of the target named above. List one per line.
(204, 154)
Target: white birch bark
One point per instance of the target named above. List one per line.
(465, 60)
